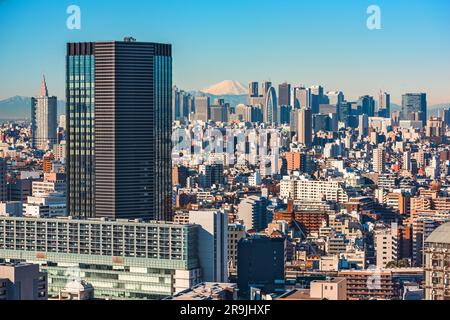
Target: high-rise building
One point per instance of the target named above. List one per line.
(366, 105)
(284, 94)
(316, 97)
(301, 124)
(414, 107)
(384, 105)
(260, 264)
(212, 244)
(445, 116)
(3, 185)
(363, 125)
(218, 113)
(202, 108)
(270, 108)
(253, 89)
(379, 159)
(266, 85)
(44, 119)
(301, 97)
(119, 129)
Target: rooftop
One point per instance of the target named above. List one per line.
(440, 235)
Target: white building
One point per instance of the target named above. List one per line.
(44, 119)
(300, 188)
(212, 244)
(386, 245)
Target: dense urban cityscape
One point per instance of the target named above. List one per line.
(141, 189)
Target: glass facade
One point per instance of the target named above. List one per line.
(80, 110)
(163, 115)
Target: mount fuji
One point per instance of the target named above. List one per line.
(227, 87)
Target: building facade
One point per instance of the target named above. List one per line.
(44, 119)
(119, 129)
(121, 259)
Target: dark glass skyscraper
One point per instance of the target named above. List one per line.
(284, 94)
(119, 159)
(414, 107)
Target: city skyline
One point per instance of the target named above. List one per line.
(302, 49)
(262, 188)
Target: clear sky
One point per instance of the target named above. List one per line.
(309, 42)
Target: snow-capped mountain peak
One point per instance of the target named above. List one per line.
(227, 87)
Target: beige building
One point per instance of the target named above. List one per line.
(437, 264)
(22, 281)
(330, 289)
(386, 245)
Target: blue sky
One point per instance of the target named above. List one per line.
(309, 42)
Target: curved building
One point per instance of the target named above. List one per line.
(270, 107)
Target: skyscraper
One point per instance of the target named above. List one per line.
(253, 89)
(384, 105)
(414, 104)
(366, 105)
(202, 108)
(301, 124)
(3, 190)
(119, 145)
(266, 85)
(379, 159)
(284, 94)
(270, 110)
(43, 119)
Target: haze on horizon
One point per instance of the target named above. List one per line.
(301, 42)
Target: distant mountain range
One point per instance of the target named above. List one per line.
(19, 108)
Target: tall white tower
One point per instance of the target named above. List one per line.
(43, 119)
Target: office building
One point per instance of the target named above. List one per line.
(3, 176)
(202, 108)
(44, 119)
(270, 108)
(261, 262)
(384, 105)
(253, 89)
(212, 244)
(284, 94)
(414, 107)
(366, 105)
(119, 129)
(302, 125)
